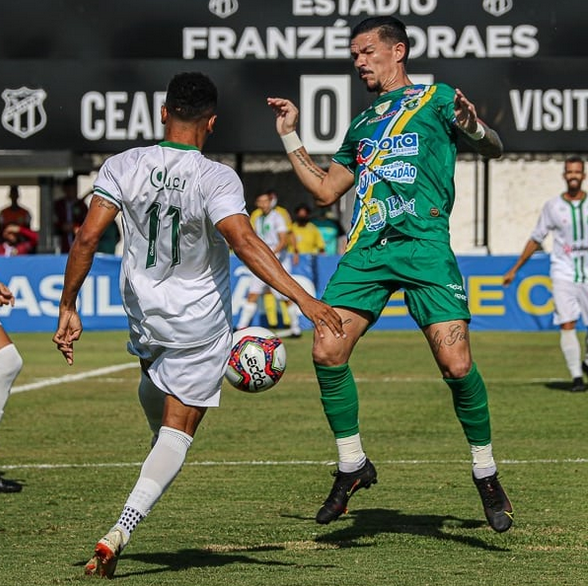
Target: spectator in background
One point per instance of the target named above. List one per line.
(331, 231)
(14, 213)
(273, 195)
(270, 226)
(69, 214)
(307, 236)
(18, 240)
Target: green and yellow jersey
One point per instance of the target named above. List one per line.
(402, 151)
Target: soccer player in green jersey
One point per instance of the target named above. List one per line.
(399, 154)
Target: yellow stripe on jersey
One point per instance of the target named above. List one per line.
(396, 126)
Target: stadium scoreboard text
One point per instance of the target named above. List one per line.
(98, 85)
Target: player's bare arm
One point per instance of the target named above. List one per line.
(477, 133)
(326, 187)
(69, 326)
(530, 248)
(253, 251)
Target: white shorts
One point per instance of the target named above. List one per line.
(570, 300)
(192, 375)
(259, 287)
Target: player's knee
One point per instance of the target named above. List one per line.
(457, 369)
(327, 355)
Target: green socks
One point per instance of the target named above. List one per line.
(339, 398)
(470, 400)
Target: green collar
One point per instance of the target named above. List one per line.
(178, 145)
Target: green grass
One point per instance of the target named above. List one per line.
(241, 513)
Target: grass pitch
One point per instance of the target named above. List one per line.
(242, 510)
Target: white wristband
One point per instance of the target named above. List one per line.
(478, 134)
(291, 141)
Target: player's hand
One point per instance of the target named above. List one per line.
(69, 330)
(509, 277)
(465, 113)
(6, 296)
(323, 317)
(286, 115)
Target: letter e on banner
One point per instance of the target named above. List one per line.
(325, 112)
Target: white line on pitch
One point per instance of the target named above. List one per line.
(68, 378)
(291, 463)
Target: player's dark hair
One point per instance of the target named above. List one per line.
(302, 206)
(390, 30)
(574, 159)
(191, 96)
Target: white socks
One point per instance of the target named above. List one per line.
(10, 366)
(351, 454)
(483, 464)
(247, 312)
(152, 400)
(570, 347)
(161, 466)
(294, 315)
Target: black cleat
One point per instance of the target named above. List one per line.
(578, 385)
(9, 485)
(497, 507)
(343, 488)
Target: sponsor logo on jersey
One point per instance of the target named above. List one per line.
(434, 212)
(23, 113)
(397, 172)
(161, 179)
(397, 145)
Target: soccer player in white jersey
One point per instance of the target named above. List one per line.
(10, 366)
(179, 211)
(566, 216)
(271, 227)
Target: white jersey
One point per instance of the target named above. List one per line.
(269, 228)
(175, 274)
(568, 220)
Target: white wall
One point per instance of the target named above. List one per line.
(518, 188)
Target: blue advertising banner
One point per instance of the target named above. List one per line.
(36, 282)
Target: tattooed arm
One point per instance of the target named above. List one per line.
(325, 186)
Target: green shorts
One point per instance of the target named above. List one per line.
(427, 271)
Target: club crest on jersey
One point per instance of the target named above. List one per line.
(376, 212)
(374, 215)
(381, 108)
(24, 114)
(161, 179)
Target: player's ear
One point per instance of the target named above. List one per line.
(399, 52)
(163, 114)
(210, 124)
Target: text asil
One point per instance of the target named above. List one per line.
(121, 116)
(332, 42)
(98, 296)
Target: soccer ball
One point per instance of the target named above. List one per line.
(257, 360)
